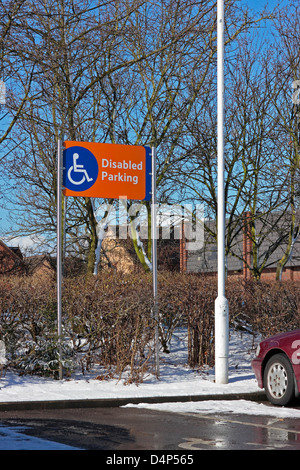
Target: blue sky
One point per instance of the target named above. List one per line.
(256, 5)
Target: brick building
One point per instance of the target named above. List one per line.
(271, 244)
(11, 260)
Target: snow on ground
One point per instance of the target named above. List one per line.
(176, 380)
(216, 407)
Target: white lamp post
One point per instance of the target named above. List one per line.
(221, 304)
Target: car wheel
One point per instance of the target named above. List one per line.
(279, 380)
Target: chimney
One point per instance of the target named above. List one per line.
(183, 253)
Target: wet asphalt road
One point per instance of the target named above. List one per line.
(129, 429)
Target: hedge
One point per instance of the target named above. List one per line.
(108, 324)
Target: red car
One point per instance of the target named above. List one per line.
(277, 367)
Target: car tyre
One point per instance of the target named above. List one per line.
(279, 380)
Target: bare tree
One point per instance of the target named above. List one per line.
(260, 166)
(287, 107)
(171, 94)
(15, 74)
(134, 72)
(64, 43)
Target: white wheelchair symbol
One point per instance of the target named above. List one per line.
(75, 168)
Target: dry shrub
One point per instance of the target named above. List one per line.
(267, 307)
(111, 319)
(188, 300)
(28, 325)
(108, 321)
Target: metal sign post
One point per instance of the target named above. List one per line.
(154, 258)
(59, 253)
(100, 170)
(221, 304)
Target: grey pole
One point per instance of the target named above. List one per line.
(221, 304)
(59, 253)
(154, 258)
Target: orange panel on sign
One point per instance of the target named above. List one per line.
(106, 170)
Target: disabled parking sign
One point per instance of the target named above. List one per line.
(106, 170)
